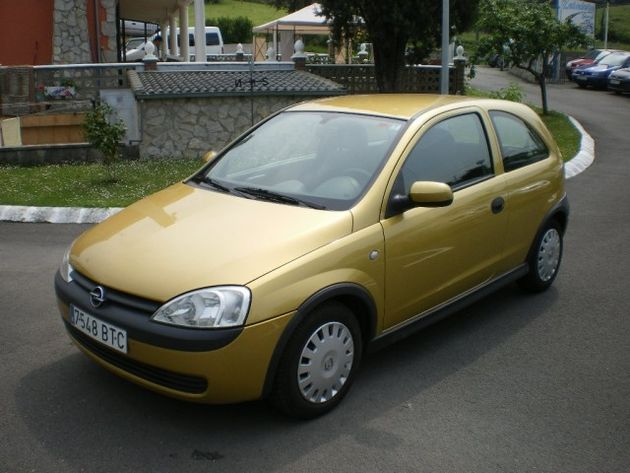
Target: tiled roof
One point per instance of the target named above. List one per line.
(161, 84)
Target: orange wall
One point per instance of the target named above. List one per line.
(26, 32)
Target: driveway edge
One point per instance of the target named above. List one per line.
(21, 213)
(584, 157)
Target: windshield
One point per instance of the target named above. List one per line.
(614, 59)
(320, 159)
(601, 55)
(134, 43)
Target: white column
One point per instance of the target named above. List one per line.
(172, 35)
(183, 32)
(200, 31)
(163, 47)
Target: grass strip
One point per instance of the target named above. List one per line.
(90, 185)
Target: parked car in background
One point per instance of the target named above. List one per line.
(134, 49)
(331, 228)
(619, 81)
(597, 74)
(589, 58)
(214, 41)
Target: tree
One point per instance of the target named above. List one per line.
(525, 32)
(392, 26)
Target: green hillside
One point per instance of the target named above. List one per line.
(618, 27)
(259, 13)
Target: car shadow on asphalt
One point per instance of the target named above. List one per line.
(89, 418)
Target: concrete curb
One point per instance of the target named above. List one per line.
(584, 157)
(19, 213)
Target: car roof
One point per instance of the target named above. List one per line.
(403, 106)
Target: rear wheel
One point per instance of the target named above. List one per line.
(319, 363)
(544, 260)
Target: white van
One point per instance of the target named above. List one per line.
(214, 41)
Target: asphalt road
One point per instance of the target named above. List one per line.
(515, 383)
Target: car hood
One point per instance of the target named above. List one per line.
(185, 238)
(600, 68)
(621, 73)
(579, 62)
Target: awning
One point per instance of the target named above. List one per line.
(308, 20)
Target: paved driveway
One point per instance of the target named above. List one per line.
(515, 383)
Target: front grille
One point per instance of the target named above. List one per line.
(168, 379)
(121, 299)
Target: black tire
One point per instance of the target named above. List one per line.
(582, 86)
(335, 329)
(544, 259)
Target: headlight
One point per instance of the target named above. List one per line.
(216, 307)
(65, 268)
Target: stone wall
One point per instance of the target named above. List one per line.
(188, 127)
(71, 43)
(108, 32)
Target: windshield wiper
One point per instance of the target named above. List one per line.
(211, 183)
(272, 196)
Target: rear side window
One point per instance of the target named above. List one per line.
(454, 151)
(520, 145)
(212, 39)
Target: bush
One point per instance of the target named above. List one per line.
(233, 30)
(513, 93)
(104, 133)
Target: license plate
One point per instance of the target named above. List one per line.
(580, 77)
(107, 334)
(614, 81)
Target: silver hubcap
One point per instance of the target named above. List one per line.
(325, 362)
(549, 254)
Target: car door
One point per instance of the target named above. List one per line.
(436, 254)
(533, 182)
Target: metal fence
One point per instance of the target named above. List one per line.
(361, 78)
(31, 89)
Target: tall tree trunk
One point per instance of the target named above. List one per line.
(542, 82)
(389, 59)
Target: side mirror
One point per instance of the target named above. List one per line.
(209, 156)
(430, 194)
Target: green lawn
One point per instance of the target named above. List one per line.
(87, 185)
(257, 12)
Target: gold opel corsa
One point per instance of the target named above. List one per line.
(331, 228)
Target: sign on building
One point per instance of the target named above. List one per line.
(582, 14)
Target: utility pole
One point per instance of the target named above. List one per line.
(445, 43)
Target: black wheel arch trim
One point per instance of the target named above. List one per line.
(333, 292)
(560, 209)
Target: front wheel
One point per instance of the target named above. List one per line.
(319, 363)
(544, 261)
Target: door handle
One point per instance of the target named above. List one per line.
(497, 205)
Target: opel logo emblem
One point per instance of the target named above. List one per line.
(97, 296)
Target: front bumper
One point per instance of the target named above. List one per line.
(593, 81)
(622, 86)
(220, 366)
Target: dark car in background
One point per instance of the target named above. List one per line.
(619, 80)
(597, 74)
(589, 58)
